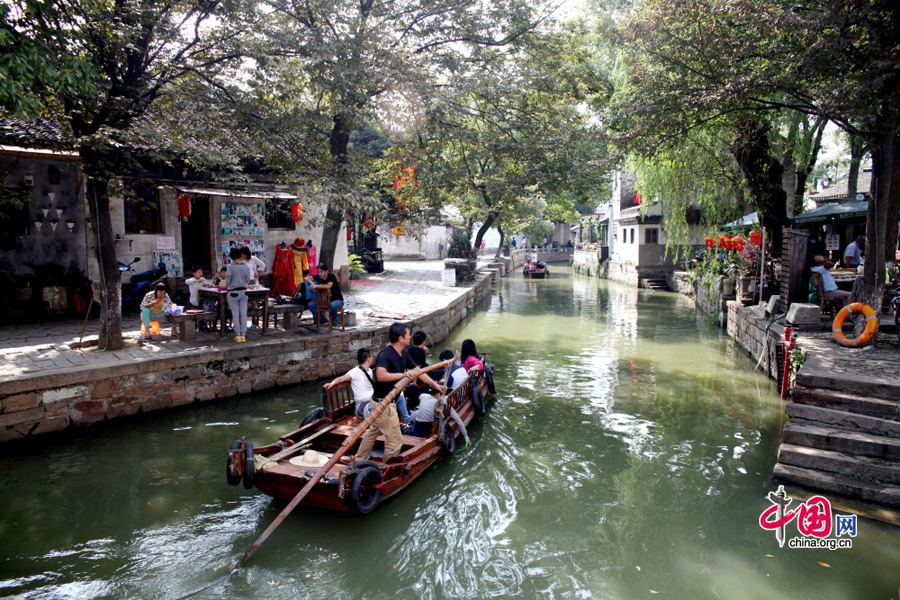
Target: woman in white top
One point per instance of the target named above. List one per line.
(256, 266)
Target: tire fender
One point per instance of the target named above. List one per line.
(249, 467)
(365, 489)
(314, 415)
(232, 479)
(477, 399)
(447, 438)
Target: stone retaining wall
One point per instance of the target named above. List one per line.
(39, 404)
(747, 325)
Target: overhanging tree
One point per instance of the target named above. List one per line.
(98, 68)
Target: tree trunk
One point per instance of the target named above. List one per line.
(803, 171)
(893, 209)
(481, 231)
(882, 148)
(96, 168)
(500, 247)
(763, 172)
(340, 138)
(857, 146)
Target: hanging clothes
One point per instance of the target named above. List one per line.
(283, 272)
(311, 251)
(298, 257)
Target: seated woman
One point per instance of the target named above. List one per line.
(470, 363)
(821, 266)
(422, 418)
(153, 306)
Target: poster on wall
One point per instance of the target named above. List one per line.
(172, 262)
(243, 219)
(257, 249)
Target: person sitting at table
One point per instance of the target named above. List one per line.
(821, 266)
(323, 280)
(220, 280)
(153, 306)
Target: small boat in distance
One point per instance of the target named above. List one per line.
(283, 468)
(536, 270)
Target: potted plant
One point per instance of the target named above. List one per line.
(732, 270)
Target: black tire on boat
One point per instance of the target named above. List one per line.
(365, 490)
(314, 415)
(447, 439)
(489, 378)
(249, 468)
(477, 400)
(232, 479)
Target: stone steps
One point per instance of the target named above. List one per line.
(839, 463)
(842, 485)
(812, 435)
(659, 285)
(846, 421)
(877, 407)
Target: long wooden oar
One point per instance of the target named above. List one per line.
(348, 443)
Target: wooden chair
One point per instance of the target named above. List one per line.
(829, 306)
(323, 306)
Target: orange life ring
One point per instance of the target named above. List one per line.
(865, 336)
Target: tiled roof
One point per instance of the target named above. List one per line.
(838, 192)
(33, 133)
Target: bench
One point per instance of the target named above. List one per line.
(290, 314)
(187, 323)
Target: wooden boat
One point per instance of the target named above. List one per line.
(538, 270)
(351, 485)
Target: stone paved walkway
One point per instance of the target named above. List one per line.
(410, 289)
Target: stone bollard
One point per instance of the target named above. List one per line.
(804, 314)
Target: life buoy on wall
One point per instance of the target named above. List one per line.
(865, 336)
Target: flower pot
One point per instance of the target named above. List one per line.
(728, 286)
(748, 285)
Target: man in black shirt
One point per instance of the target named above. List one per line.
(322, 281)
(394, 363)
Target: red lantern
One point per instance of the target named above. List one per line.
(737, 242)
(728, 243)
(720, 241)
(184, 207)
(755, 237)
(710, 241)
(297, 212)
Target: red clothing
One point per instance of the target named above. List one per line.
(283, 272)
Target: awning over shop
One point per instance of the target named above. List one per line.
(237, 193)
(854, 210)
(751, 220)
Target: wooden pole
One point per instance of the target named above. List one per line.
(86, 315)
(348, 443)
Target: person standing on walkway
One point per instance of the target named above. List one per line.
(322, 281)
(853, 255)
(394, 363)
(236, 281)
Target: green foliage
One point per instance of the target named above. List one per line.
(356, 264)
(460, 245)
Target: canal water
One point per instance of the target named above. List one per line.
(627, 454)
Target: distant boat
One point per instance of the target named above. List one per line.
(536, 270)
(357, 486)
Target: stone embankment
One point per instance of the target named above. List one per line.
(51, 400)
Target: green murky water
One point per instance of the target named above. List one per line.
(626, 455)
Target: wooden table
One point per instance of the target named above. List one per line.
(258, 293)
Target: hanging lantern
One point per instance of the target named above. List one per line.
(727, 242)
(184, 207)
(297, 212)
(710, 241)
(755, 237)
(720, 240)
(737, 242)
(400, 229)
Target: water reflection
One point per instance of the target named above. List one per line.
(627, 452)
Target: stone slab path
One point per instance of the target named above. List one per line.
(410, 289)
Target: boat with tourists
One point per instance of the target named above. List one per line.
(284, 468)
(536, 270)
